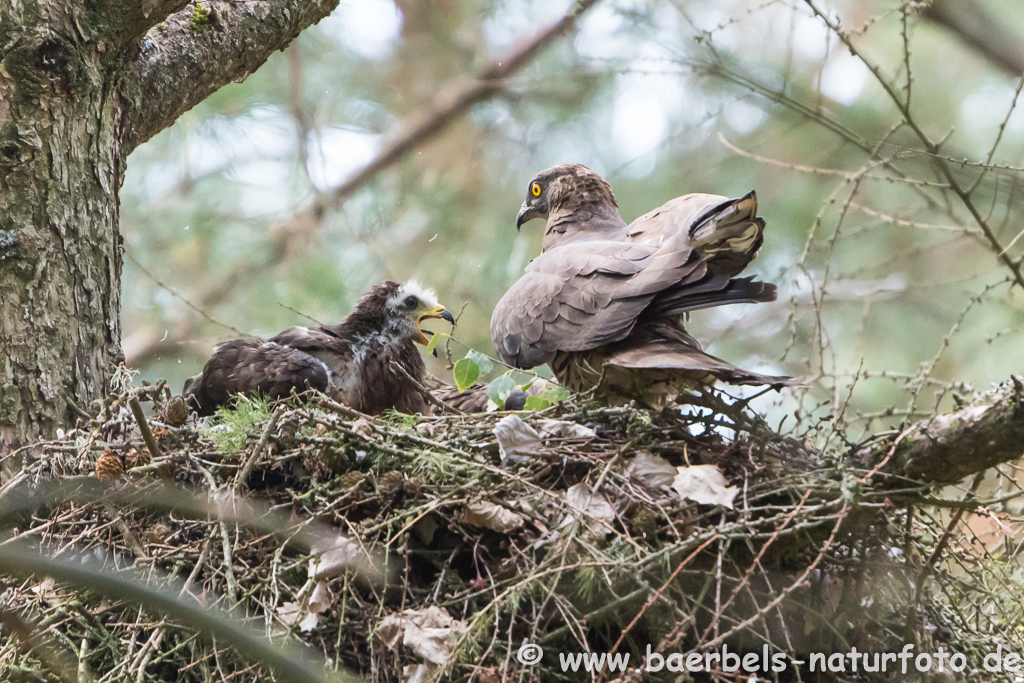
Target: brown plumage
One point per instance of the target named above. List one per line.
(350, 361)
(603, 304)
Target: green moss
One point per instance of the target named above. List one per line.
(234, 426)
(201, 18)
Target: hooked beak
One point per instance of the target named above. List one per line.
(438, 311)
(526, 213)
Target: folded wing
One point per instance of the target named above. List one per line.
(251, 366)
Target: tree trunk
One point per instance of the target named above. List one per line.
(61, 165)
(81, 84)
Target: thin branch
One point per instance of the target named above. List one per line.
(946, 448)
(444, 110)
(243, 473)
(423, 390)
(453, 101)
(147, 435)
(930, 146)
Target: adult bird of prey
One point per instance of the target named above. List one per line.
(604, 303)
(350, 361)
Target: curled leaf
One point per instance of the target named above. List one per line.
(434, 339)
(487, 515)
(516, 438)
(429, 632)
(651, 471)
(704, 484)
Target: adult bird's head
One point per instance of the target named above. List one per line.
(562, 191)
(401, 307)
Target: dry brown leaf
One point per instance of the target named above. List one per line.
(516, 438)
(581, 498)
(429, 632)
(565, 430)
(335, 556)
(704, 484)
(651, 471)
(487, 515)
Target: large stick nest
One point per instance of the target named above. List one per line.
(458, 549)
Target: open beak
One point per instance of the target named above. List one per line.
(526, 213)
(438, 311)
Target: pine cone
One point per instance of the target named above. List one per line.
(109, 467)
(158, 533)
(350, 480)
(413, 487)
(391, 482)
(137, 458)
(642, 523)
(176, 411)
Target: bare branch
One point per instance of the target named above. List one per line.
(452, 102)
(202, 48)
(930, 146)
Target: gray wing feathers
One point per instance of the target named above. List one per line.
(672, 217)
(584, 294)
(579, 296)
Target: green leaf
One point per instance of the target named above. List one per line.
(555, 394)
(482, 361)
(500, 388)
(466, 372)
(536, 403)
(433, 342)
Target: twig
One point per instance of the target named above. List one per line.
(930, 146)
(147, 435)
(423, 390)
(197, 568)
(126, 532)
(448, 105)
(180, 298)
(696, 551)
(257, 449)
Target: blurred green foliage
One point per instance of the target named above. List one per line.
(880, 267)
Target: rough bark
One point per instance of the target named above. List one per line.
(949, 447)
(81, 84)
(183, 60)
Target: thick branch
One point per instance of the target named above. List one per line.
(200, 49)
(126, 21)
(971, 22)
(949, 447)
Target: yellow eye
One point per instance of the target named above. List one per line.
(535, 190)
